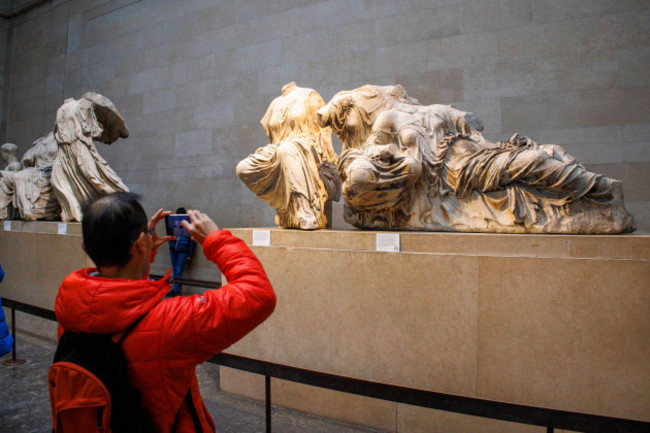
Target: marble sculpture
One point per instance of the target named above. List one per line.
(9, 152)
(79, 172)
(414, 167)
(33, 194)
(27, 193)
(295, 173)
(63, 169)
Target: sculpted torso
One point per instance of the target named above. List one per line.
(295, 172)
(405, 123)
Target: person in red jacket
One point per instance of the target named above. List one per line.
(177, 333)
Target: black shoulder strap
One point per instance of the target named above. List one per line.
(193, 413)
(130, 328)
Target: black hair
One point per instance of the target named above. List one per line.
(181, 210)
(110, 224)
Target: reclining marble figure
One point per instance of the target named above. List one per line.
(79, 171)
(414, 167)
(33, 193)
(295, 173)
(9, 153)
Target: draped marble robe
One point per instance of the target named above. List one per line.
(295, 173)
(79, 172)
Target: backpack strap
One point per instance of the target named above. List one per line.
(130, 328)
(193, 413)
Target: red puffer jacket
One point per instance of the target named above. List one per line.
(178, 333)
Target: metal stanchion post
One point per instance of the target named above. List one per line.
(13, 360)
(267, 388)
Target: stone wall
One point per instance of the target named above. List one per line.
(194, 78)
(4, 64)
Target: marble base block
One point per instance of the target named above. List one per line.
(558, 321)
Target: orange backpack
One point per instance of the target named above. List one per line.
(89, 389)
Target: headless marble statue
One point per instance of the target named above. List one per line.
(9, 153)
(79, 172)
(295, 172)
(34, 197)
(414, 167)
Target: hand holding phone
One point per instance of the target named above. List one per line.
(200, 225)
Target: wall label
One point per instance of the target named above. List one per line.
(388, 242)
(262, 238)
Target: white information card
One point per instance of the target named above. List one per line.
(262, 238)
(388, 242)
(63, 229)
(7, 226)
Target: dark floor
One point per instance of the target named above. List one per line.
(25, 405)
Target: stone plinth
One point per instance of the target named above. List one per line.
(545, 320)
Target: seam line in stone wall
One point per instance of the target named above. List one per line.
(452, 254)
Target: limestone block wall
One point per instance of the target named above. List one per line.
(194, 78)
(4, 63)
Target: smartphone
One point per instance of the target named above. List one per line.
(174, 226)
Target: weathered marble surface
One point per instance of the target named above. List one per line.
(26, 191)
(9, 152)
(34, 196)
(79, 171)
(295, 173)
(413, 167)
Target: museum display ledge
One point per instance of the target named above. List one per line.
(624, 246)
(576, 246)
(48, 227)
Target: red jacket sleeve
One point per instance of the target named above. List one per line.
(211, 322)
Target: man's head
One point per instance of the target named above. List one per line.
(114, 231)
